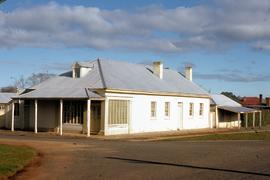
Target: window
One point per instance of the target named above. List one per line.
(16, 109)
(167, 109)
(191, 109)
(201, 109)
(73, 112)
(118, 111)
(2, 107)
(153, 109)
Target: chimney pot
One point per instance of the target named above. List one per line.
(158, 69)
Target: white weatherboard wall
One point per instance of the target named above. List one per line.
(141, 120)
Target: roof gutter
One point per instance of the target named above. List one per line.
(156, 93)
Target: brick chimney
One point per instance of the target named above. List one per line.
(76, 70)
(261, 99)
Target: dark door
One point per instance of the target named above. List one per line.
(95, 117)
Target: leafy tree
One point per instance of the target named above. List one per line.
(232, 96)
(1, 1)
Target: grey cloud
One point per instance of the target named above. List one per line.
(191, 28)
(234, 77)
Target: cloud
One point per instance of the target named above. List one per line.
(56, 66)
(234, 77)
(187, 28)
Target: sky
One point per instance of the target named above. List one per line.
(226, 41)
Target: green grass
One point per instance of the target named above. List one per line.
(14, 158)
(232, 136)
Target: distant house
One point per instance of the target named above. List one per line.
(256, 102)
(227, 113)
(111, 97)
(5, 107)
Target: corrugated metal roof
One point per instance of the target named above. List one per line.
(114, 75)
(6, 97)
(237, 109)
(221, 100)
(128, 76)
(69, 93)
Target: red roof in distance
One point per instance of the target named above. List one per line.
(251, 101)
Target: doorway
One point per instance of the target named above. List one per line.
(95, 117)
(180, 115)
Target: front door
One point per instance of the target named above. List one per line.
(95, 117)
(180, 115)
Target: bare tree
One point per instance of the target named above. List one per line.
(34, 79)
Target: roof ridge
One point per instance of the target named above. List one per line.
(101, 73)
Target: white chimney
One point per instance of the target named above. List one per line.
(188, 72)
(76, 70)
(158, 69)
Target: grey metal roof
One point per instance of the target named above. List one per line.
(221, 100)
(129, 76)
(237, 109)
(6, 97)
(69, 93)
(109, 74)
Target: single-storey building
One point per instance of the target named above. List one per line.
(112, 97)
(227, 113)
(5, 108)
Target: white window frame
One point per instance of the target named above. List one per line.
(201, 109)
(153, 116)
(167, 116)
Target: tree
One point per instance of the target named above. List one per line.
(34, 79)
(10, 89)
(1, 1)
(231, 95)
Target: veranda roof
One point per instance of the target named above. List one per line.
(58, 93)
(238, 109)
(6, 97)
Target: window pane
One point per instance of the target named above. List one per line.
(153, 108)
(167, 108)
(191, 107)
(201, 109)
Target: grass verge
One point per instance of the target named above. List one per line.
(14, 159)
(233, 136)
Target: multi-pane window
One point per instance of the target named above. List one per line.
(119, 111)
(191, 109)
(167, 109)
(153, 109)
(201, 109)
(16, 109)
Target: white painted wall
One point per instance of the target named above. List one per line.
(231, 124)
(84, 71)
(141, 120)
